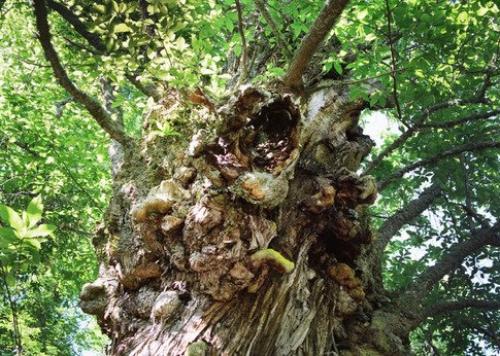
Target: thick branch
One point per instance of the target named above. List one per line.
(445, 307)
(475, 146)
(450, 306)
(463, 120)
(78, 26)
(96, 110)
(310, 43)
(95, 41)
(413, 209)
(261, 6)
(451, 260)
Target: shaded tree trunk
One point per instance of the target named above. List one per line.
(249, 239)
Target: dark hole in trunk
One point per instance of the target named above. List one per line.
(342, 250)
(271, 135)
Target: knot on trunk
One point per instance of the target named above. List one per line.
(93, 298)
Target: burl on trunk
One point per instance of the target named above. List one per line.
(247, 240)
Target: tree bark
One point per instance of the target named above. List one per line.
(245, 239)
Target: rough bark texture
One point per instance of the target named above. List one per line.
(247, 239)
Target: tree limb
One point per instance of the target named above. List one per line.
(451, 260)
(490, 334)
(393, 61)
(115, 150)
(450, 306)
(261, 6)
(445, 307)
(413, 209)
(310, 43)
(418, 120)
(78, 26)
(148, 90)
(95, 109)
(95, 41)
(417, 123)
(475, 146)
(244, 48)
(457, 122)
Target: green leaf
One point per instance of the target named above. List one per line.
(34, 210)
(7, 237)
(463, 17)
(277, 71)
(11, 217)
(34, 242)
(121, 28)
(338, 67)
(41, 231)
(362, 14)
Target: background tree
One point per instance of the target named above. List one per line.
(239, 216)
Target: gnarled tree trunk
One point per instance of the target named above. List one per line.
(247, 240)
(250, 235)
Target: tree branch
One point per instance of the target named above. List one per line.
(418, 120)
(393, 61)
(491, 334)
(310, 43)
(261, 6)
(450, 306)
(244, 48)
(78, 26)
(392, 147)
(475, 146)
(394, 223)
(148, 90)
(457, 122)
(115, 150)
(95, 41)
(445, 307)
(95, 109)
(16, 333)
(451, 260)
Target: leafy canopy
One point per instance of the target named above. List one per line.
(50, 147)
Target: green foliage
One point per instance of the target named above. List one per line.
(51, 148)
(22, 230)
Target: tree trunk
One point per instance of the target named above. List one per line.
(250, 239)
